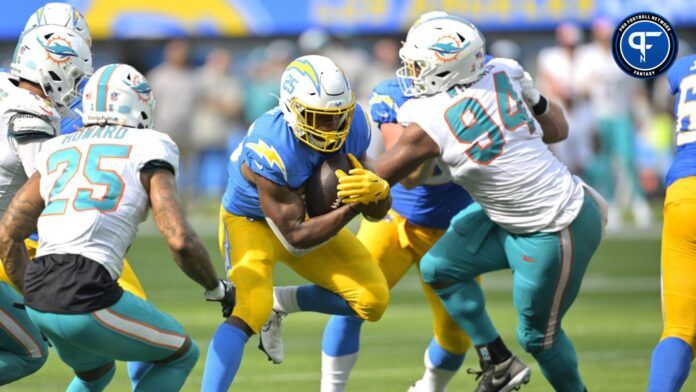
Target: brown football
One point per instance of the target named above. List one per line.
(320, 194)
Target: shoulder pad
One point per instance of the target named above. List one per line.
(26, 127)
(683, 67)
(511, 66)
(385, 101)
(25, 102)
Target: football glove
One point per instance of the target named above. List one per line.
(360, 185)
(225, 294)
(530, 94)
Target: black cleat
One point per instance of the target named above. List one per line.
(506, 376)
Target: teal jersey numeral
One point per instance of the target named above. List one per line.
(98, 176)
(71, 158)
(505, 93)
(479, 121)
(92, 171)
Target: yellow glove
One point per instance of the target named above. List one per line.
(360, 185)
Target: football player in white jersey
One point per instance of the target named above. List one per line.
(91, 190)
(48, 63)
(487, 126)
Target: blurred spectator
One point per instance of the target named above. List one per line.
(616, 100)
(216, 118)
(557, 78)
(386, 55)
(265, 67)
(506, 48)
(173, 84)
(351, 58)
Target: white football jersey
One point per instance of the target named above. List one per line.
(26, 120)
(90, 182)
(491, 145)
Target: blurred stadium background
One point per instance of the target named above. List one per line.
(215, 65)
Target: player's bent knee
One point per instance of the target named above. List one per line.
(372, 302)
(31, 365)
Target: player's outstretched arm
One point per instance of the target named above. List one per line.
(285, 211)
(185, 245)
(414, 148)
(554, 123)
(391, 132)
(18, 223)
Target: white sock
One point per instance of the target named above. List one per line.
(285, 299)
(335, 371)
(434, 379)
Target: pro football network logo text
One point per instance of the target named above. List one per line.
(644, 45)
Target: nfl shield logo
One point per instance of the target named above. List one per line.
(114, 96)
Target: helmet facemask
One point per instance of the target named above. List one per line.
(324, 130)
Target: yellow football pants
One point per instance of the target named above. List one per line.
(396, 245)
(341, 265)
(679, 262)
(128, 280)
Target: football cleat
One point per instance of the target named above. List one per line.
(506, 376)
(270, 339)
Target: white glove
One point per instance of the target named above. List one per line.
(218, 293)
(530, 94)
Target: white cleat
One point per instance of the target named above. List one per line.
(270, 339)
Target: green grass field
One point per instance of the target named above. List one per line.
(614, 324)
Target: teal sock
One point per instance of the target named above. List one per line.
(169, 376)
(80, 385)
(465, 303)
(559, 364)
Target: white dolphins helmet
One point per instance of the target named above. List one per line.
(60, 14)
(439, 53)
(56, 58)
(118, 94)
(317, 102)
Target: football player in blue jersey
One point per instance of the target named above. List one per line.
(672, 357)
(419, 216)
(60, 14)
(263, 217)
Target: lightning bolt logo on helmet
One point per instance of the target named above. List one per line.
(58, 49)
(305, 68)
(268, 153)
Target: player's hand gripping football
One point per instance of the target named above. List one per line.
(360, 185)
(225, 294)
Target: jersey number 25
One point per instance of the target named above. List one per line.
(83, 198)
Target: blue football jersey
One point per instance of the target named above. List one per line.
(424, 205)
(682, 82)
(272, 151)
